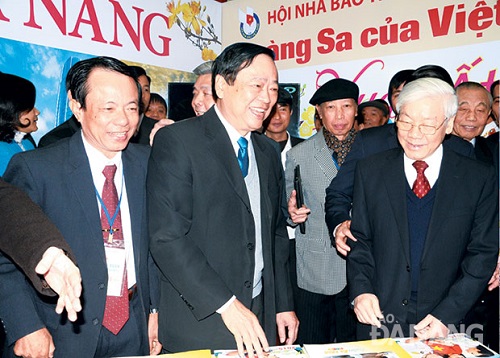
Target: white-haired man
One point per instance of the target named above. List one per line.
(426, 223)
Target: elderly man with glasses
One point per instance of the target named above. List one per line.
(426, 224)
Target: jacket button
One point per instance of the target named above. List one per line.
(248, 284)
(101, 286)
(250, 246)
(95, 321)
(408, 268)
(405, 302)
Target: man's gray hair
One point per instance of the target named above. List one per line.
(429, 88)
(475, 85)
(203, 69)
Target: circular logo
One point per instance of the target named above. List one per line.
(250, 27)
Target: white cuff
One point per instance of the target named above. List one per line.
(226, 305)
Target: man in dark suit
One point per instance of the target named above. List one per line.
(474, 109)
(369, 142)
(426, 223)
(146, 124)
(218, 233)
(110, 240)
(339, 193)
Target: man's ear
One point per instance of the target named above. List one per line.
(75, 107)
(220, 85)
(449, 125)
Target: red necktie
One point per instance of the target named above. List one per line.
(421, 185)
(116, 311)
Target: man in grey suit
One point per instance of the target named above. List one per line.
(218, 231)
(321, 302)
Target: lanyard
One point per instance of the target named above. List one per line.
(111, 220)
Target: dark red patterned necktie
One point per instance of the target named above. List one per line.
(421, 185)
(116, 311)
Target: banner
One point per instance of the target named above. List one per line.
(368, 41)
(41, 39)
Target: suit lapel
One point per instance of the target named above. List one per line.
(220, 145)
(395, 186)
(323, 156)
(446, 191)
(80, 181)
(134, 182)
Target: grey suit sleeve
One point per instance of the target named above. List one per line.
(339, 192)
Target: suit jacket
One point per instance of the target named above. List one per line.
(319, 268)
(461, 245)
(203, 235)
(295, 140)
(63, 130)
(486, 149)
(25, 234)
(142, 137)
(368, 142)
(59, 179)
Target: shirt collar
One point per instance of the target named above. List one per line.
(98, 160)
(234, 135)
(431, 173)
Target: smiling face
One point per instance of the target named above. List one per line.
(112, 111)
(156, 110)
(202, 94)
(249, 100)
(29, 119)
(473, 111)
(338, 116)
(426, 111)
(280, 119)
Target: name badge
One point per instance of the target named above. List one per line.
(115, 260)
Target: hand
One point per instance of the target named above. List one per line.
(38, 344)
(367, 309)
(64, 278)
(495, 278)
(287, 321)
(430, 327)
(245, 327)
(160, 124)
(297, 215)
(154, 345)
(341, 234)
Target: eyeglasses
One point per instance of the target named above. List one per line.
(423, 128)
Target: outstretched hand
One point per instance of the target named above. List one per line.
(245, 327)
(64, 278)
